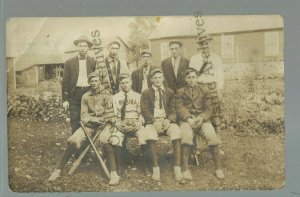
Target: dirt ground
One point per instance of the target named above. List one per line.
(250, 162)
(253, 142)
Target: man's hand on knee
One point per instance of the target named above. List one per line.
(198, 122)
(158, 126)
(166, 124)
(138, 125)
(96, 120)
(120, 126)
(191, 122)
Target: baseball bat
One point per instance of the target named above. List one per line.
(103, 166)
(83, 153)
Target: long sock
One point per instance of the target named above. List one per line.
(118, 157)
(214, 151)
(109, 151)
(79, 151)
(153, 151)
(186, 153)
(145, 156)
(70, 150)
(177, 151)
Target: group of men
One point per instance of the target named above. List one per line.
(152, 101)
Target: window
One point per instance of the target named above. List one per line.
(227, 46)
(165, 52)
(271, 43)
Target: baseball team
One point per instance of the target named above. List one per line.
(152, 101)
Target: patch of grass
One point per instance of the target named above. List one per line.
(250, 162)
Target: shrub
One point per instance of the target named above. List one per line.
(44, 107)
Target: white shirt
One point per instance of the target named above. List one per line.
(175, 63)
(82, 80)
(213, 72)
(159, 113)
(145, 78)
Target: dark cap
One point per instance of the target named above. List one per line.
(145, 51)
(124, 76)
(189, 70)
(114, 42)
(204, 38)
(155, 70)
(175, 42)
(93, 74)
(83, 39)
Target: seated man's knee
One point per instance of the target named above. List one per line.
(77, 138)
(141, 135)
(151, 133)
(174, 131)
(209, 134)
(187, 135)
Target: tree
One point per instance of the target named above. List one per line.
(140, 30)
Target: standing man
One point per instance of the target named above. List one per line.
(141, 79)
(115, 66)
(158, 110)
(129, 120)
(194, 114)
(211, 76)
(96, 108)
(174, 66)
(75, 81)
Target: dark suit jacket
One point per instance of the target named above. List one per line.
(173, 82)
(137, 79)
(196, 105)
(147, 104)
(71, 70)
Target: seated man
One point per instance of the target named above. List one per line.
(194, 113)
(128, 112)
(96, 108)
(158, 110)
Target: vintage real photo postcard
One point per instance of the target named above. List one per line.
(145, 103)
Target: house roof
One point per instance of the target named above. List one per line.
(186, 25)
(46, 39)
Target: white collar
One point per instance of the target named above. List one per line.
(178, 58)
(127, 92)
(156, 88)
(80, 56)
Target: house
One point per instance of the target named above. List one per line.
(47, 48)
(235, 38)
(11, 74)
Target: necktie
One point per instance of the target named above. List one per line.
(144, 73)
(174, 67)
(160, 98)
(114, 69)
(124, 107)
(82, 58)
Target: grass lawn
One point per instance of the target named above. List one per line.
(250, 162)
(253, 142)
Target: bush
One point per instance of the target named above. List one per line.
(253, 126)
(44, 107)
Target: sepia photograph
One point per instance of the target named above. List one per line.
(145, 103)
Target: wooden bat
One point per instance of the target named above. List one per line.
(103, 166)
(83, 153)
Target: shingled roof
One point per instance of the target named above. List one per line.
(48, 38)
(185, 25)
